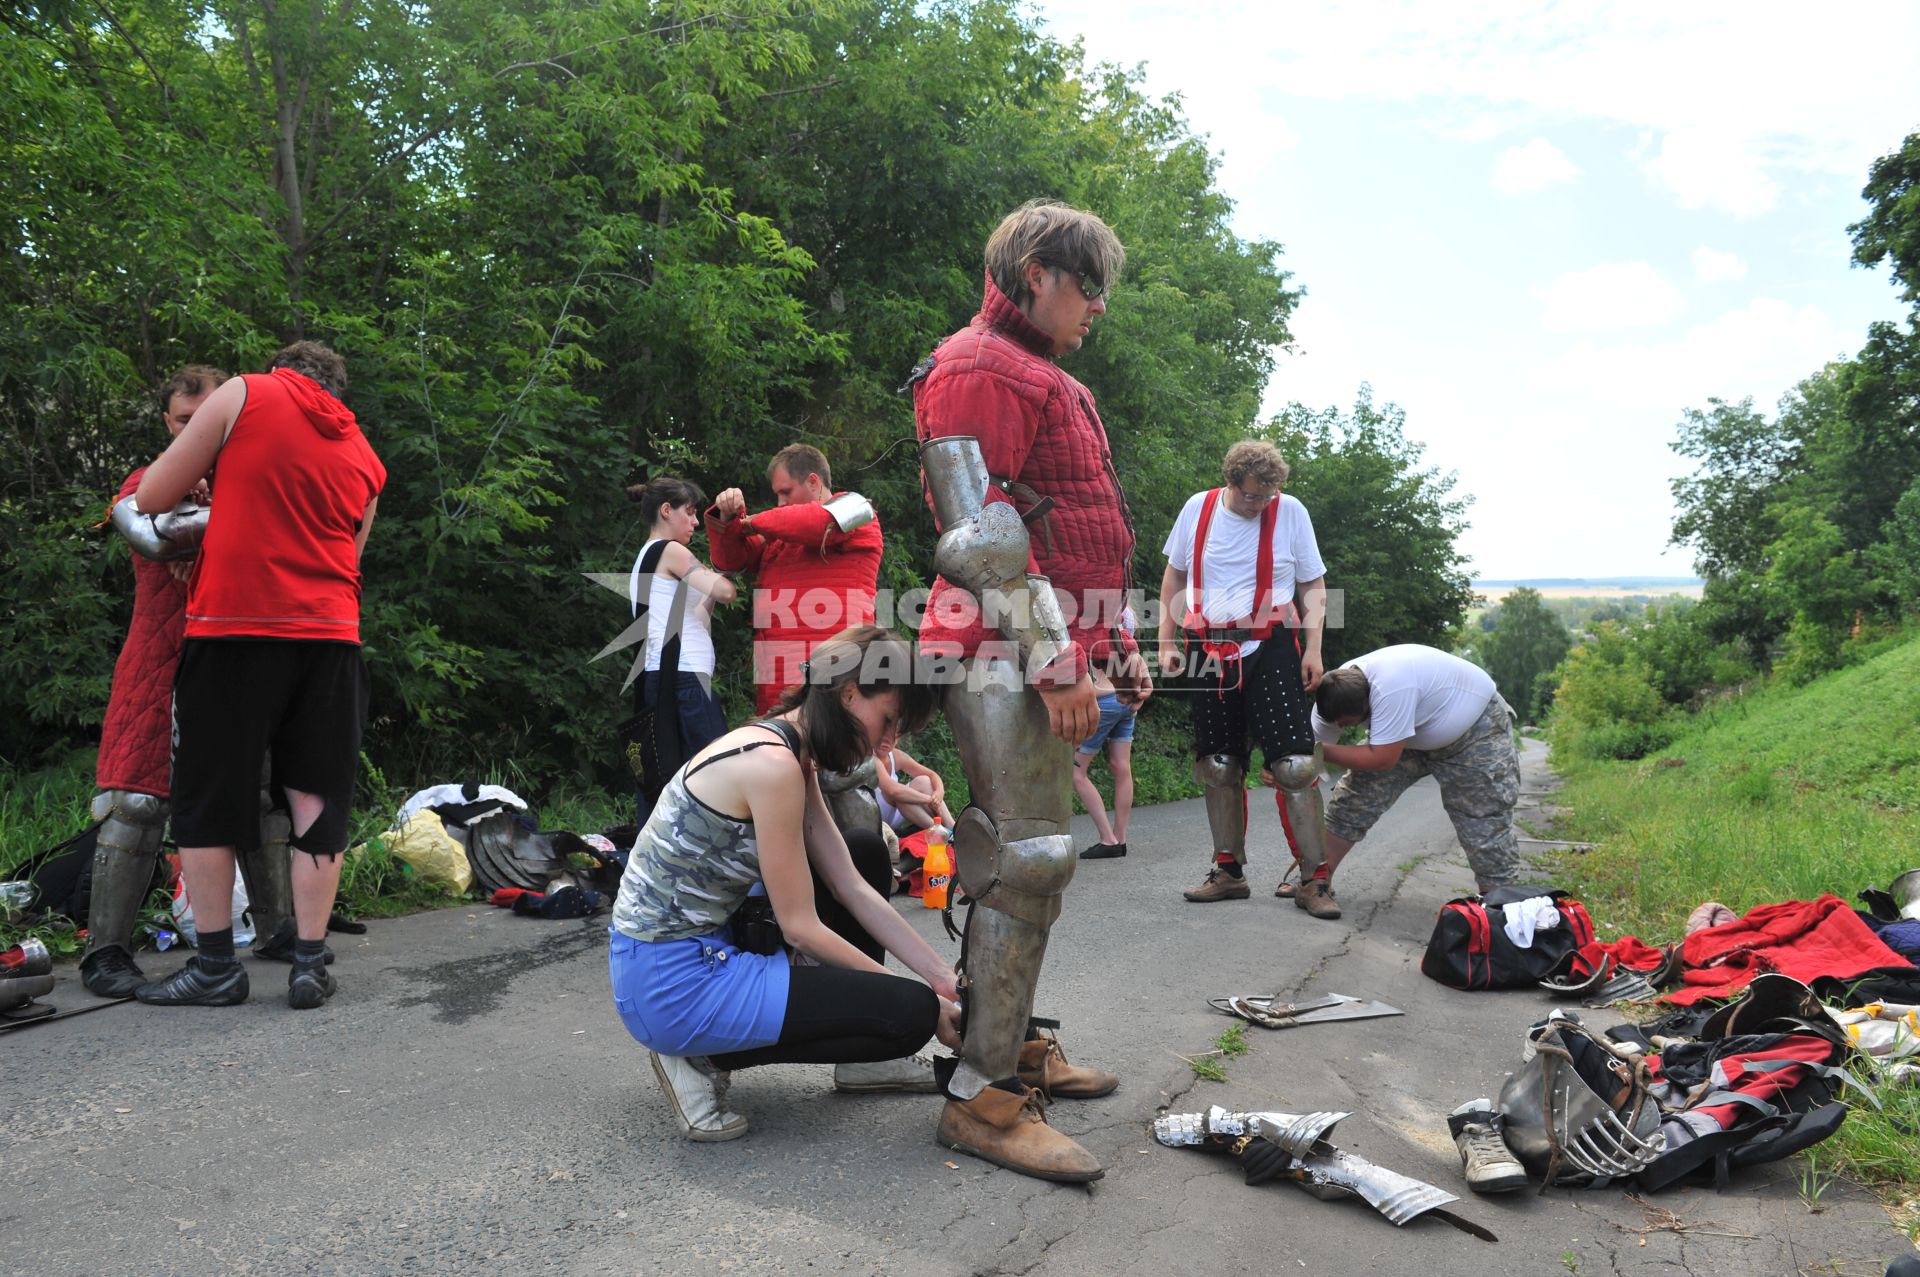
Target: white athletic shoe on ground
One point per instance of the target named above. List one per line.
(914, 1074)
(697, 1094)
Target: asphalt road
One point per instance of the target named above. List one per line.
(470, 1102)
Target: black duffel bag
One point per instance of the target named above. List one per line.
(1470, 948)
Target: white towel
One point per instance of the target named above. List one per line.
(1524, 917)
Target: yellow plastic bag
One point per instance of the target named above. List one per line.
(424, 843)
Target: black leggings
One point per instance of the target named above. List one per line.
(835, 1016)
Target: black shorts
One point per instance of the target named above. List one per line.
(236, 699)
(1261, 698)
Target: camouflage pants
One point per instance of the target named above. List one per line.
(1479, 777)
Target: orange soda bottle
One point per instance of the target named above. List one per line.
(939, 868)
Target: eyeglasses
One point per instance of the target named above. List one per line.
(1091, 286)
(1257, 498)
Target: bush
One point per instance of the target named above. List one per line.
(1620, 741)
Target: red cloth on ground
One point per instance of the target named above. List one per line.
(1627, 951)
(1800, 938)
(136, 740)
(810, 581)
(995, 380)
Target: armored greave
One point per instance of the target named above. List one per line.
(1297, 777)
(132, 827)
(1013, 853)
(1224, 778)
(268, 872)
(850, 796)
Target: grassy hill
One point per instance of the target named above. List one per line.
(1780, 794)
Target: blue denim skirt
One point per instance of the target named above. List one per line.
(699, 996)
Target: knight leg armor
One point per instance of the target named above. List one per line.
(125, 850)
(1013, 855)
(1297, 778)
(1224, 778)
(267, 871)
(851, 796)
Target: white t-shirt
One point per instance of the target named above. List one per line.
(696, 640)
(1421, 695)
(1232, 557)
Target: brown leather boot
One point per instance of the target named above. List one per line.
(1044, 1067)
(1316, 897)
(1219, 885)
(1011, 1131)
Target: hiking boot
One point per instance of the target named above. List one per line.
(1104, 851)
(1219, 885)
(1489, 1166)
(1044, 1068)
(913, 1074)
(203, 982)
(697, 1094)
(279, 946)
(110, 972)
(308, 986)
(1011, 1130)
(1316, 897)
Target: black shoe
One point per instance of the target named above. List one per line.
(309, 986)
(279, 946)
(203, 982)
(1104, 851)
(109, 972)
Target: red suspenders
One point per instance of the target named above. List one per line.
(1259, 623)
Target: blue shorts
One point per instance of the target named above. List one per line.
(698, 996)
(1116, 725)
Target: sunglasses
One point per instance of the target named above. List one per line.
(1091, 286)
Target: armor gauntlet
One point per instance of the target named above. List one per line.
(984, 549)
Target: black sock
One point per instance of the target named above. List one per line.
(216, 946)
(309, 953)
(1231, 868)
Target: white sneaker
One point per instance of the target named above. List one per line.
(1484, 1157)
(914, 1073)
(697, 1094)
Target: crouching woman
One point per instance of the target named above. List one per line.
(703, 987)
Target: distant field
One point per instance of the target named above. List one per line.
(1491, 594)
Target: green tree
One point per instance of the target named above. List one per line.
(1897, 557)
(1527, 642)
(1605, 704)
(1890, 232)
(1388, 527)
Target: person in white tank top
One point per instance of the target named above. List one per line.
(681, 592)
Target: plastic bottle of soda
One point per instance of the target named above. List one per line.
(939, 868)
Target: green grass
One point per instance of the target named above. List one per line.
(1781, 794)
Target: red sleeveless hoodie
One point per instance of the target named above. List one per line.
(294, 480)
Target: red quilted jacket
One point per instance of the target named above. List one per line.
(1040, 435)
(136, 740)
(810, 580)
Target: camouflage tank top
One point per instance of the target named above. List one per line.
(691, 866)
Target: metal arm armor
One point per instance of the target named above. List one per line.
(177, 534)
(984, 549)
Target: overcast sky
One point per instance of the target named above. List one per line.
(1544, 230)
